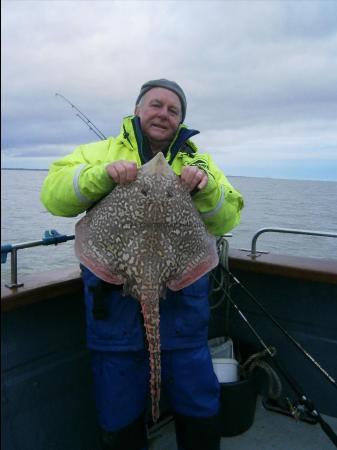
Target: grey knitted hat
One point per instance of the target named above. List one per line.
(167, 84)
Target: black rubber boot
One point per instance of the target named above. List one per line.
(131, 437)
(198, 433)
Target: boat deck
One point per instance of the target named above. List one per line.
(270, 431)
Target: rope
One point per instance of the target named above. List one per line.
(221, 281)
(223, 249)
(256, 361)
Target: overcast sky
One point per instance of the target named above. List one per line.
(260, 78)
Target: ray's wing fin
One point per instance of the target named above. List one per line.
(85, 253)
(195, 271)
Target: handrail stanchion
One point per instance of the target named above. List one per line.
(51, 237)
(254, 253)
(14, 270)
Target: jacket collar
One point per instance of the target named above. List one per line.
(131, 131)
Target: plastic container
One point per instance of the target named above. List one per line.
(221, 347)
(237, 396)
(225, 365)
(226, 369)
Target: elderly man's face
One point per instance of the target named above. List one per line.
(160, 114)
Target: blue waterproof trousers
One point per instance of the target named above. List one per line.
(121, 384)
(120, 360)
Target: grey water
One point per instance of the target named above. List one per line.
(298, 204)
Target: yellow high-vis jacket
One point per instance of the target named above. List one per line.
(77, 181)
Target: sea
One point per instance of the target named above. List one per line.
(297, 204)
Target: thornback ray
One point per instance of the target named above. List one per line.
(148, 236)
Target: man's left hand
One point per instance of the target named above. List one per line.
(193, 177)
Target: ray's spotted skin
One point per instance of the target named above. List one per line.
(148, 236)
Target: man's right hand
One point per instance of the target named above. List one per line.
(122, 172)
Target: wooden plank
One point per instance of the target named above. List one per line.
(313, 269)
(41, 286)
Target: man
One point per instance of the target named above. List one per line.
(115, 332)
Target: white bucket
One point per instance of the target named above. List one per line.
(221, 347)
(226, 369)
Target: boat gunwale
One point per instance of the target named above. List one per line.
(288, 266)
(48, 285)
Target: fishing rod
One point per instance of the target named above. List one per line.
(84, 118)
(223, 249)
(303, 398)
(307, 403)
(285, 332)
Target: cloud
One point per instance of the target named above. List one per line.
(260, 77)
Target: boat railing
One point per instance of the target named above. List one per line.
(254, 253)
(51, 237)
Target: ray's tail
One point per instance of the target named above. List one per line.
(150, 310)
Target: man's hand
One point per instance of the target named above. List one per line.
(193, 177)
(122, 172)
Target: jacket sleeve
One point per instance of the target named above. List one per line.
(218, 203)
(78, 180)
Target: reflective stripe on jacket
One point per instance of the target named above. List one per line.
(75, 182)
